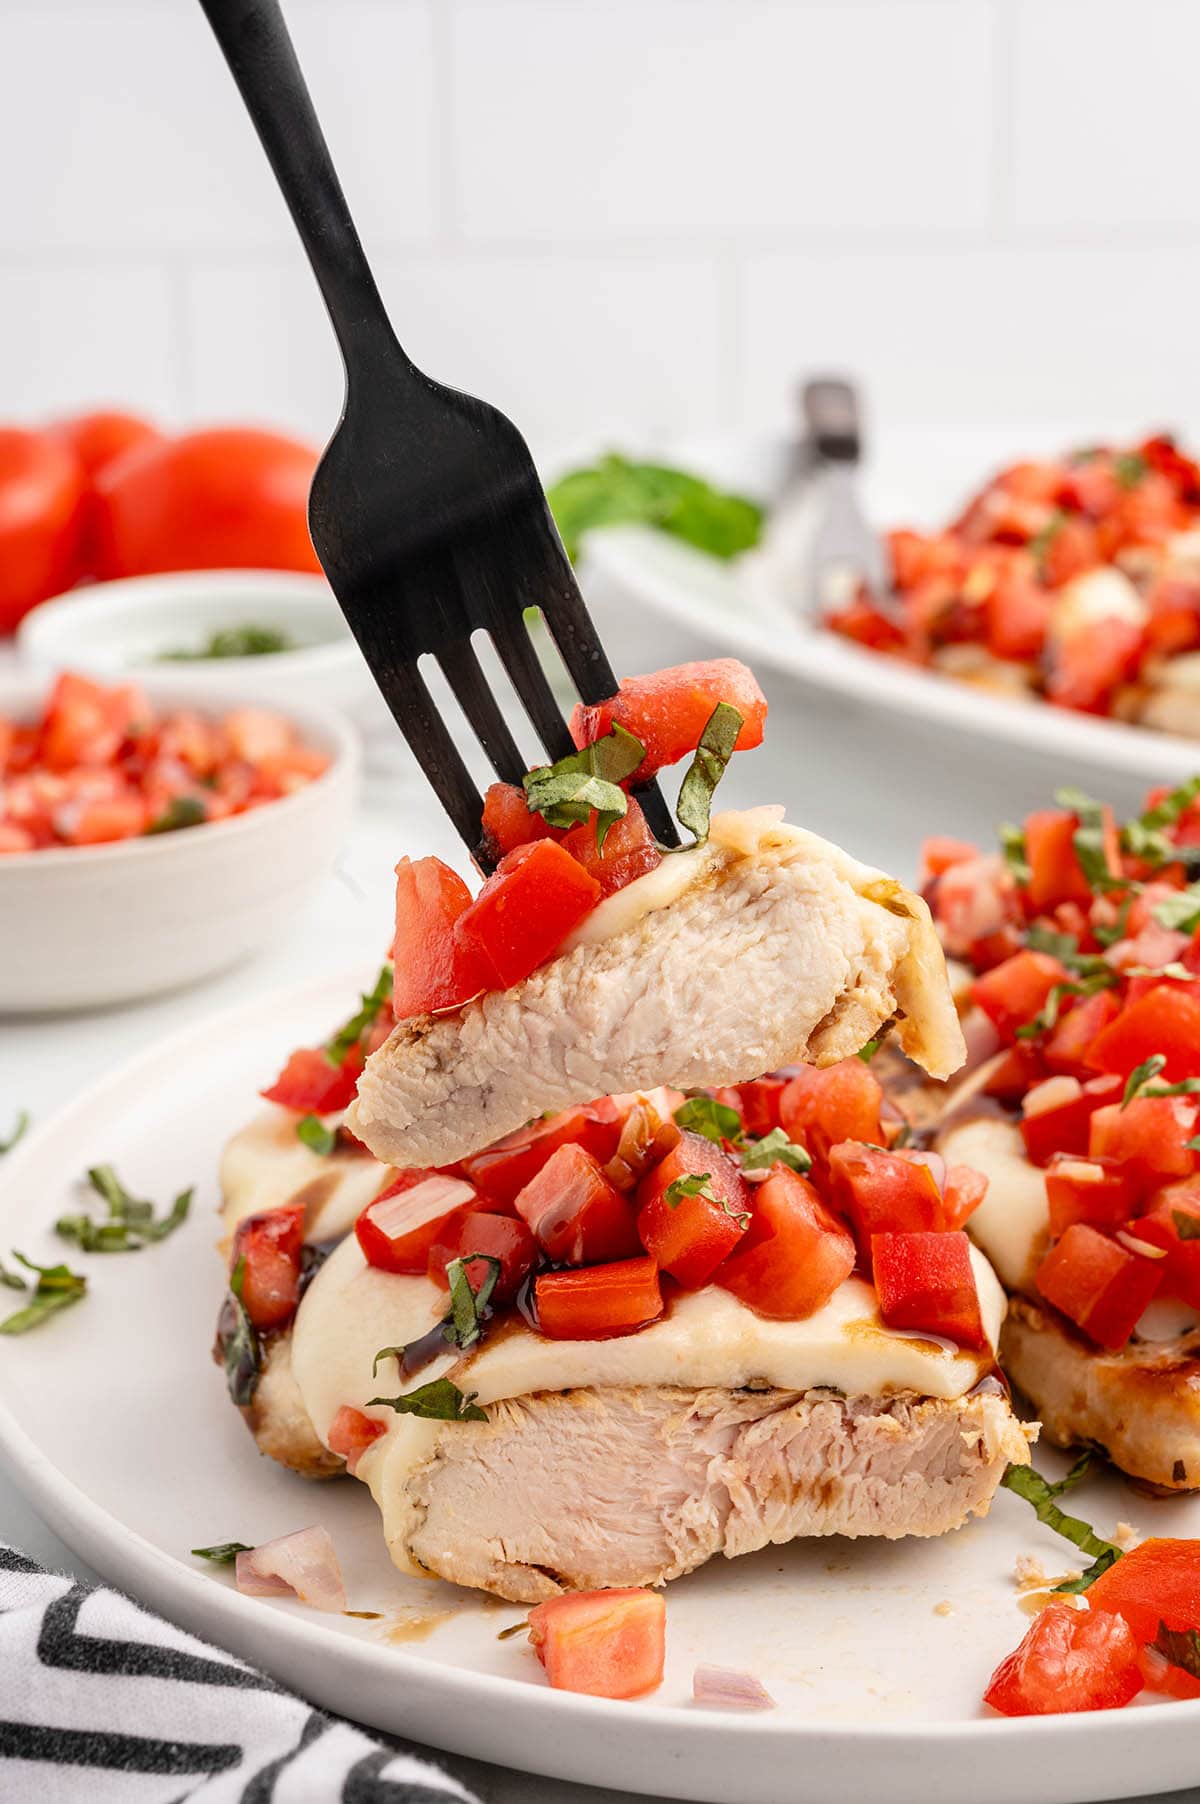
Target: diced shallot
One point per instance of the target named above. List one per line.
(935, 1163)
(304, 1564)
(646, 1137)
(717, 1687)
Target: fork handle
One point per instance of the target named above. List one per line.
(831, 414)
(259, 50)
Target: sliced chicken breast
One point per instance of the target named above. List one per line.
(763, 948)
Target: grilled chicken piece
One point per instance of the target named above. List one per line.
(278, 1420)
(1141, 1405)
(632, 1485)
(766, 947)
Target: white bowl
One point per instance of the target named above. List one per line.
(125, 628)
(86, 926)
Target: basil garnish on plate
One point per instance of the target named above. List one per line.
(57, 1288)
(131, 1223)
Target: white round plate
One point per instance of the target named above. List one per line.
(116, 1423)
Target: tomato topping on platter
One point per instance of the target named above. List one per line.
(1057, 1114)
(884, 1193)
(265, 1264)
(468, 1233)
(606, 1644)
(509, 823)
(397, 1230)
(693, 1209)
(311, 1084)
(669, 710)
(598, 1302)
(1069, 1660)
(1055, 873)
(1166, 1021)
(1014, 993)
(628, 852)
(575, 1213)
(502, 1170)
(350, 1433)
(1156, 1582)
(1171, 1221)
(1089, 1190)
(819, 1109)
(1100, 1285)
(434, 966)
(1149, 1137)
(926, 1282)
(794, 1254)
(525, 911)
(1066, 1046)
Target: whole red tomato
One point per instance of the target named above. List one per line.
(99, 438)
(228, 497)
(41, 510)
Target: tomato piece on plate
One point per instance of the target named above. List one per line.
(397, 1229)
(794, 1254)
(351, 1432)
(962, 1193)
(691, 1235)
(1098, 1284)
(1066, 1047)
(509, 823)
(1055, 873)
(267, 1247)
(939, 852)
(607, 1644)
(1172, 1222)
(1090, 1190)
(1165, 1020)
(759, 1104)
(669, 710)
(42, 496)
(629, 850)
(1148, 1137)
(1159, 1581)
(1016, 614)
(1058, 1114)
(1086, 668)
(505, 1168)
(1013, 993)
(926, 1282)
(884, 1193)
(1069, 1660)
(434, 967)
(525, 911)
(819, 1109)
(598, 1302)
(575, 1213)
(311, 1084)
(468, 1233)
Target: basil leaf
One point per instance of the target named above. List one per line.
(1141, 1074)
(131, 1223)
(706, 769)
(564, 794)
(1129, 469)
(57, 1287)
(715, 1120)
(775, 1149)
(315, 1135)
(396, 1353)
(1062, 946)
(1048, 1015)
(1180, 912)
(439, 1401)
(11, 1279)
(1108, 936)
(1187, 1086)
(1012, 847)
(20, 1127)
(1186, 1226)
(1181, 1647)
(352, 1031)
(867, 1053)
(616, 491)
(1193, 1145)
(238, 1342)
(469, 1306)
(694, 1183)
(181, 811)
(224, 1553)
(235, 642)
(1036, 1490)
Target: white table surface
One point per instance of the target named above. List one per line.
(869, 786)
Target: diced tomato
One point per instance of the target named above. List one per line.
(819, 1109)
(435, 966)
(1172, 1222)
(505, 1168)
(351, 1432)
(311, 1084)
(508, 822)
(575, 1213)
(1087, 1190)
(883, 1193)
(101, 822)
(1087, 667)
(962, 1193)
(598, 1302)
(1165, 1020)
(1015, 992)
(1066, 1046)
(525, 911)
(690, 1237)
(86, 724)
(794, 1254)
(940, 852)
(1058, 1114)
(470, 1232)
(1019, 1069)
(1148, 1137)
(1069, 1660)
(759, 1105)
(669, 710)
(606, 1644)
(1016, 612)
(1098, 1284)
(267, 1247)
(397, 1230)
(629, 850)
(862, 620)
(1157, 1582)
(926, 1282)
(1055, 873)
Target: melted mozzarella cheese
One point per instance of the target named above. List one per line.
(264, 1166)
(1012, 1221)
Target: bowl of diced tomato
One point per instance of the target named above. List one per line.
(147, 841)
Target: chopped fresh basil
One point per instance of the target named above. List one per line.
(11, 1280)
(867, 1053)
(20, 1126)
(1181, 1647)
(352, 1031)
(468, 1305)
(234, 642)
(1036, 1490)
(565, 793)
(1108, 936)
(713, 753)
(617, 491)
(224, 1553)
(715, 1120)
(1141, 1075)
(1187, 1086)
(694, 1183)
(514, 1628)
(1186, 1226)
(56, 1288)
(1012, 847)
(131, 1223)
(315, 1135)
(775, 1149)
(237, 1339)
(1181, 911)
(180, 811)
(439, 1401)
(1088, 985)
(1193, 1145)
(1062, 946)
(1089, 839)
(1129, 469)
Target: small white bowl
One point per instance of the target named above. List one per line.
(87, 926)
(126, 628)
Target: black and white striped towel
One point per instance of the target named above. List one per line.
(103, 1703)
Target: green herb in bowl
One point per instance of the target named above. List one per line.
(234, 642)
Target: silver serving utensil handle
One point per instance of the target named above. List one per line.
(845, 550)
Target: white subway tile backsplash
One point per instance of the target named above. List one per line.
(73, 337)
(121, 128)
(719, 117)
(1105, 125)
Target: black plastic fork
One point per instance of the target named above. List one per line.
(426, 510)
